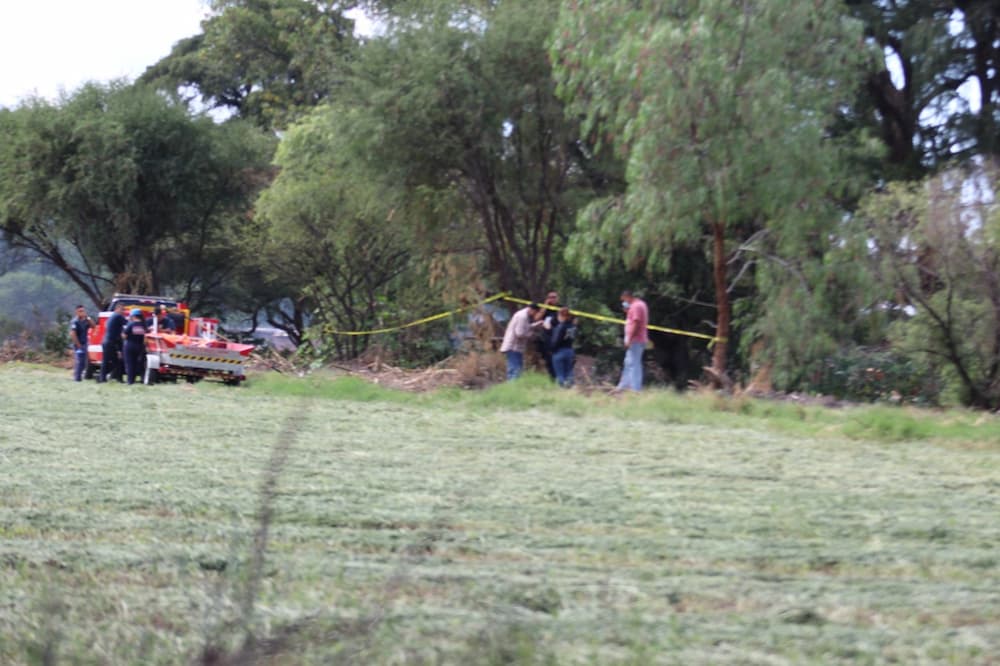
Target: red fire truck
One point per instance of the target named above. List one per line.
(192, 350)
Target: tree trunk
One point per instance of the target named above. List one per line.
(722, 302)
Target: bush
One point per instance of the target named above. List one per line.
(875, 375)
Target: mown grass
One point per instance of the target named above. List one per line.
(522, 524)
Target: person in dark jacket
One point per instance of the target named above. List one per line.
(561, 347)
(111, 345)
(134, 335)
(79, 330)
(545, 338)
(164, 324)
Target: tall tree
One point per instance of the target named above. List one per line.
(331, 245)
(122, 188)
(458, 108)
(720, 108)
(264, 60)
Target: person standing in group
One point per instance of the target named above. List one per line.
(561, 349)
(134, 335)
(111, 345)
(160, 320)
(520, 330)
(636, 337)
(549, 319)
(79, 331)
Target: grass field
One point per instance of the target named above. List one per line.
(322, 521)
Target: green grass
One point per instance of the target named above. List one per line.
(522, 524)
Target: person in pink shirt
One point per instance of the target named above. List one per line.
(636, 337)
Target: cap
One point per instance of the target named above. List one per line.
(136, 312)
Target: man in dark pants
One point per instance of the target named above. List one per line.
(134, 335)
(550, 320)
(111, 346)
(78, 332)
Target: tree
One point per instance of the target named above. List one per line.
(264, 60)
(456, 105)
(331, 244)
(123, 189)
(942, 54)
(934, 249)
(720, 109)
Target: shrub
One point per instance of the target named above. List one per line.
(873, 375)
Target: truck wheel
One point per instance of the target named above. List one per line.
(90, 370)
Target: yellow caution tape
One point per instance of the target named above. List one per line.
(711, 338)
(418, 322)
(507, 297)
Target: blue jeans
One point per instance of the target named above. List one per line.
(562, 363)
(79, 363)
(632, 372)
(515, 364)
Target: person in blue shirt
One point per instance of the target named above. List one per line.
(78, 331)
(134, 335)
(111, 345)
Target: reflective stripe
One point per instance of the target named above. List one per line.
(207, 359)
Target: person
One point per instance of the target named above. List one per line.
(636, 337)
(164, 323)
(561, 347)
(79, 331)
(111, 345)
(549, 319)
(519, 331)
(134, 336)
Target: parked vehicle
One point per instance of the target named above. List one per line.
(192, 350)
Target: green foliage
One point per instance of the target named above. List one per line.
(456, 105)
(122, 188)
(268, 61)
(722, 117)
(696, 96)
(923, 109)
(933, 249)
(875, 375)
(56, 338)
(331, 240)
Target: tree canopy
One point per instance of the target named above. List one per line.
(123, 189)
(263, 60)
(721, 116)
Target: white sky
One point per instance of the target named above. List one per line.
(51, 45)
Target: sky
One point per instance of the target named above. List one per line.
(52, 45)
(47, 46)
